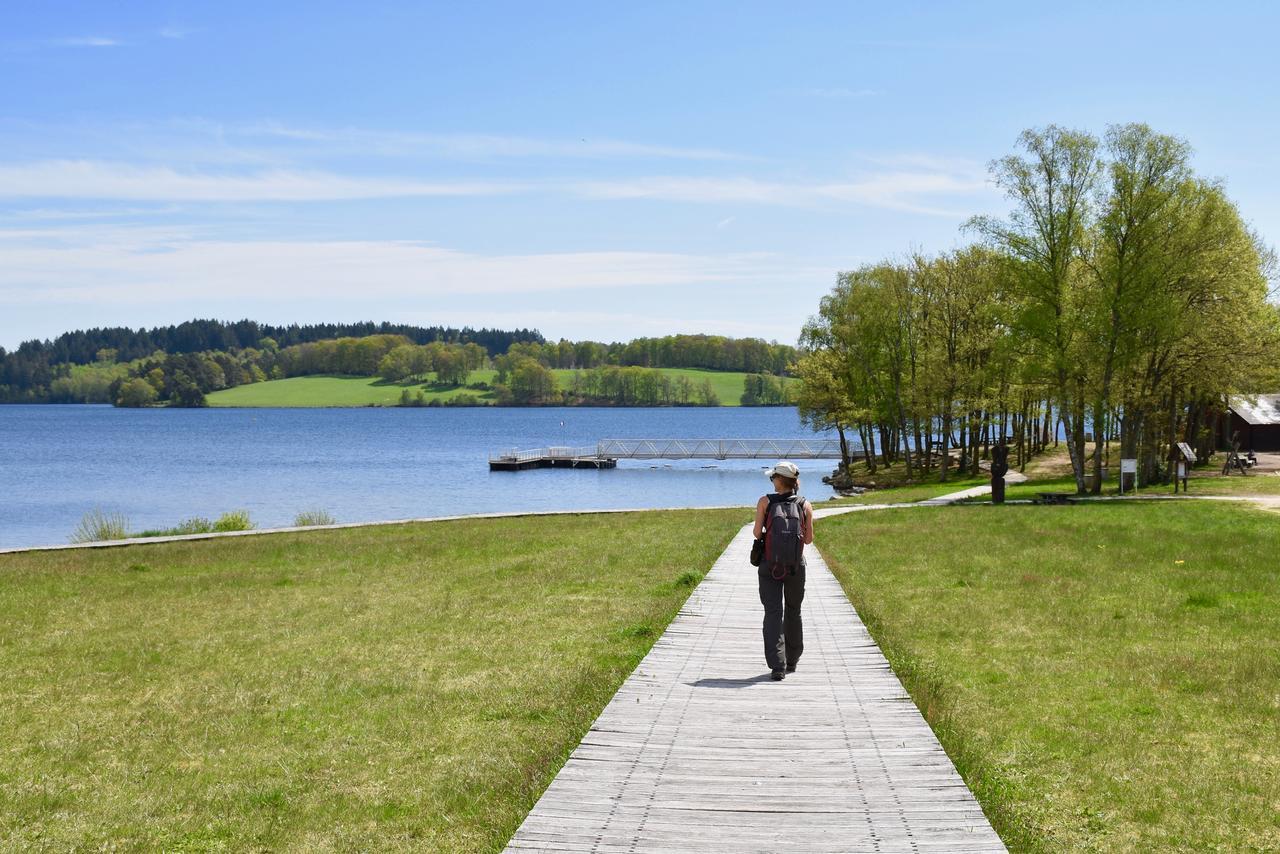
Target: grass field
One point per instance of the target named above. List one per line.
(404, 688)
(901, 491)
(372, 391)
(1105, 676)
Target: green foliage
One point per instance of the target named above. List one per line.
(532, 382)
(98, 525)
(194, 525)
(86, 383)
(765, 390)
(1122, 295)
(234, 520)
(135, 393)
(308, 518)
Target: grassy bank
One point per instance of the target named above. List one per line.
(1104, 675)
(904, 490)
(409, 687)
(373, 391)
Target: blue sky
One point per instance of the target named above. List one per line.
(592, 170)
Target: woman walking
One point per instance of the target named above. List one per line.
(785, 520)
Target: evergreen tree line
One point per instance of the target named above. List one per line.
(27, 374)
(711, 352)
(1123, 299)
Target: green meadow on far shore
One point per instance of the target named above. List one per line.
(317, 391)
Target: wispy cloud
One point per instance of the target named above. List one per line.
(111, 265)
(86, 41)
(83, 179)
(909, 190)
(840, 93)
(175, 32)
(899, 190)
(474, 145)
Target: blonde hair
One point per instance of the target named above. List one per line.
(792, 482)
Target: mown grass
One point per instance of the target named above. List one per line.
(1106, 676)
(409, 687)
(907, 491)
(1201, 482)
(373, 391)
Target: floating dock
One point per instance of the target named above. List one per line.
(544, 458)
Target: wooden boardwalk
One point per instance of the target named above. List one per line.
(699, 751)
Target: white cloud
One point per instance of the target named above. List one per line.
(907, 191)
(106, 266)
(841, 93)
(174, 32)
(474, 145)
(86, 179)
(87, 41)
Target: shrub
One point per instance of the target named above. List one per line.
(308, 518)
(136, 392)
(97, 526)
(194, 525)
(236, 520)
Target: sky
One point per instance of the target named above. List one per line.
(591, 170)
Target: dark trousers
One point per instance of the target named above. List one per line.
(783, 631)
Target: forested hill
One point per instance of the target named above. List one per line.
(182, 363)
(27, 373)
(82, 346)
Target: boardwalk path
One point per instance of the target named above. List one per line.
(699, 751)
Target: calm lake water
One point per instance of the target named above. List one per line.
(160, 466)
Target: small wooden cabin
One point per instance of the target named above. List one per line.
(1256, 420)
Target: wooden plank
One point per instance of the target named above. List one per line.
(700, 751)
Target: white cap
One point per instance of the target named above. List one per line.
(785, 469)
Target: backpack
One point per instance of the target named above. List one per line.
(783, 538)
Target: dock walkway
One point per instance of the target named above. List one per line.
(699, 751)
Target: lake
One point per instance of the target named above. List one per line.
(160, 466)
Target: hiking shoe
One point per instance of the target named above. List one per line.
(791, 668)
(777, 675)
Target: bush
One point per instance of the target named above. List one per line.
(464, 399)
(97, 526)
(307, 518)
(136, 392)
(236, 520)
(194, 525)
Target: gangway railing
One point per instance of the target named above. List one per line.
(562, 452)
(718, 449)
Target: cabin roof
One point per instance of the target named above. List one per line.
(1257, 410)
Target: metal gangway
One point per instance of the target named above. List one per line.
(607, 452)
(718, 449)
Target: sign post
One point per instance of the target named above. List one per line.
(1129, 474)
(1184, 457)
